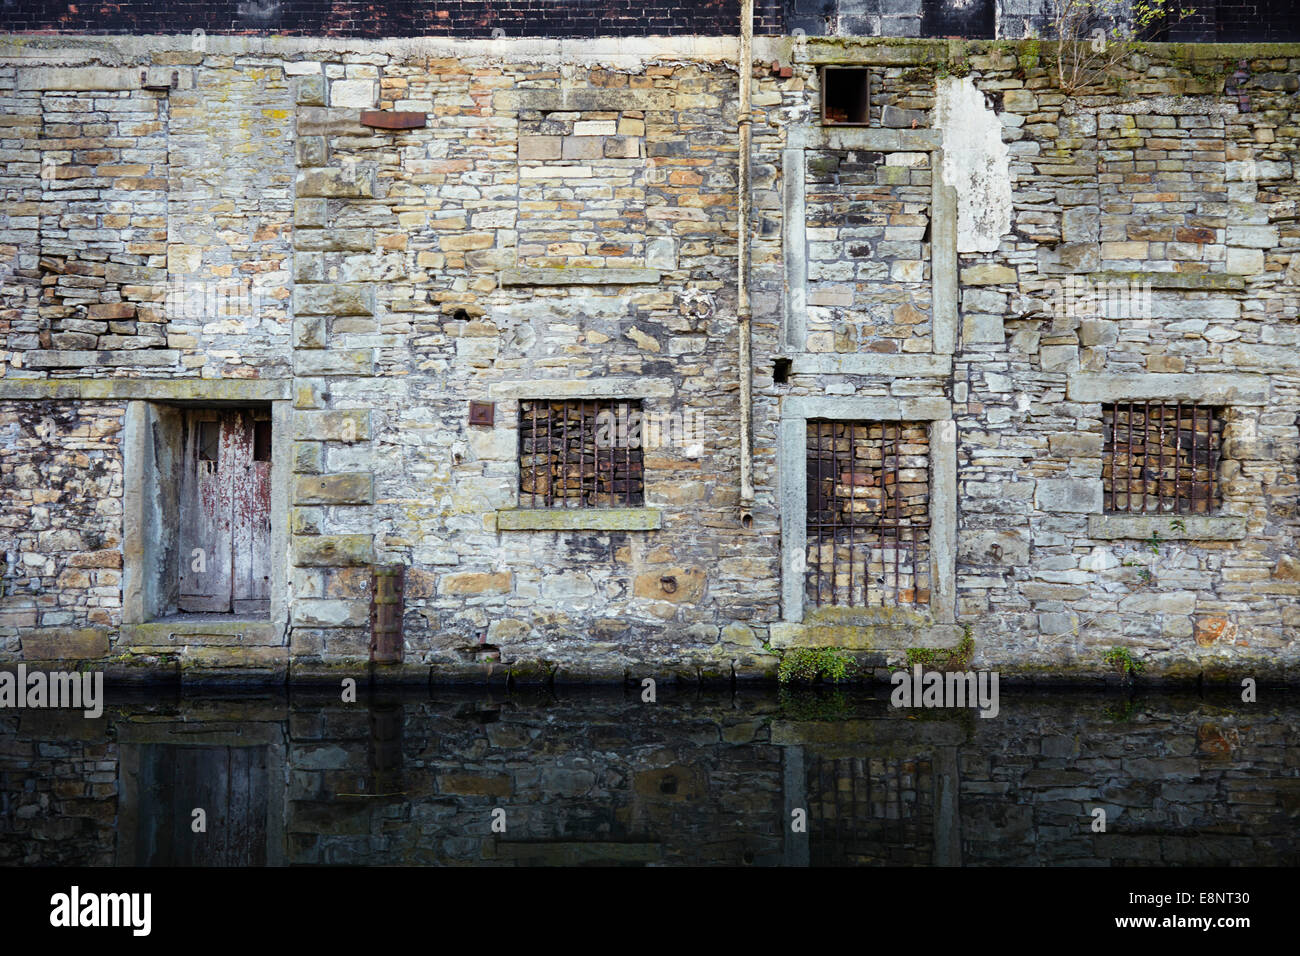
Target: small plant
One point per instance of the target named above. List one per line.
(1154, 542)
(811, 664)
(1120, 659)
(946, 659)
(1178, 526)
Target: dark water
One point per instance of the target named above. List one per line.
(582, 777)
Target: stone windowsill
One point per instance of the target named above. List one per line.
(579, 519)
(864, 637)
(1143, 527)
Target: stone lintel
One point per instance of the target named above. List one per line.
(557, 389)
(161, 390)
(584, 519)
(873, 409)
(516, 277)
(867, 363)
(1170, 527)
(1207, 387)
(870, 138)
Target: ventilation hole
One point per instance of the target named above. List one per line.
(781, 371)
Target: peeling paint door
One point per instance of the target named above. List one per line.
(225, 512)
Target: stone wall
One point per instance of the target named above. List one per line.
(371, 236)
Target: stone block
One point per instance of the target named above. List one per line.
(334, 299)
(539, 147)
(348, 425)
(351, 488)
(333, 550)
(335, 362)
(473, 582)
(1068, 495)
(63, 644)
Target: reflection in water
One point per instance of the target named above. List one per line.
(580, 777)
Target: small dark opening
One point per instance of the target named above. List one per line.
(209, 441)
(781, 371)
(844, 97)
(262, 441)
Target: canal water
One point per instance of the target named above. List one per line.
(574, 777)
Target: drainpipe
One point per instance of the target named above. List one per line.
(744, 120)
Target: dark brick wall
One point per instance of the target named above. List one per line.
(1221, 20)
(395, 18)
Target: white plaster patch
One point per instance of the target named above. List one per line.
(975, 164)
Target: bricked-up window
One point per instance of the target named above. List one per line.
(868, 516)
(580, 453)
(1161, 457)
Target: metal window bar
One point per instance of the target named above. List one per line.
(1161, 458)
(580, 453)
(868, 515)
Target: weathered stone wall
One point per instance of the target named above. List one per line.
(563, 226)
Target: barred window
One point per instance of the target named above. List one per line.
(868, 517)
(580, 453)
(1161, 458)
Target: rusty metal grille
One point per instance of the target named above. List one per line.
(868, 518)
(580, 453)
(1161, 458)
(871, 811)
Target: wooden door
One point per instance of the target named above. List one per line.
(225, 512)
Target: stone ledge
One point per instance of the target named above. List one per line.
(582, 519)
(161, 389)
(1219, 388)
(865, 637)
(236, 632)
(871, 364)
(515, 277)
(1142, 527)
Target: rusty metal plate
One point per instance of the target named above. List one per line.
(482, 413)
(392, 119)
